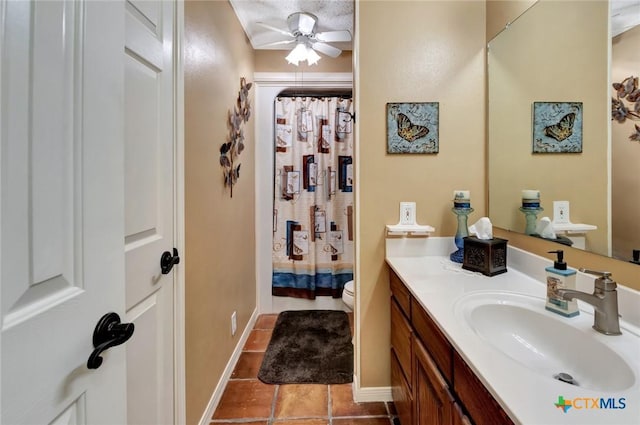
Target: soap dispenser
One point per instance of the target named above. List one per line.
(558, 277)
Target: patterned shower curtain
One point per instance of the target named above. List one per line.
(313, 205)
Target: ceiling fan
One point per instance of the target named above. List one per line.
(302, 33)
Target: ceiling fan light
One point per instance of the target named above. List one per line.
(299, 53)
(312, 56)
(302, 53)
(291, 60)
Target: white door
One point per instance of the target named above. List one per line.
(149, 210)
(62, 210)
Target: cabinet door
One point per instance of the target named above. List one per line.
(433, 401)
(401, 393)
(401, 340)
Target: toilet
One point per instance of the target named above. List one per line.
(348, 294)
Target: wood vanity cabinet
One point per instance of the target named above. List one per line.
(401, 352)
(431, 384)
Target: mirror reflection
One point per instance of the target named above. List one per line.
(558, 53)
(625, 151)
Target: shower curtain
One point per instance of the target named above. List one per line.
(313, 196)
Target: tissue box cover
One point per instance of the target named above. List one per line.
(488, 257)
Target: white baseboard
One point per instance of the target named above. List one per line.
(366, 394)
(228, 370)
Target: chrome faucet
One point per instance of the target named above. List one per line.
(604, 301)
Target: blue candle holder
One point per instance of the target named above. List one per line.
(461, 233)
(531, 217)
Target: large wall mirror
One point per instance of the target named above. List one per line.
(562, 52)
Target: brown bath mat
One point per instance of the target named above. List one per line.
(309, 347)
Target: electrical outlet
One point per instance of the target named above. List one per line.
(234, 324)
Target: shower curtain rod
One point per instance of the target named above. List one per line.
(318, 94)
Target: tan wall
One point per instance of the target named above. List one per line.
(220, 231)
(534, 60)
(625, 154)
(503, 12)
(274, 61)
(413, 52)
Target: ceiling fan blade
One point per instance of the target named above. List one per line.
(328, 50)
(272, 28)
(276, 43)
(333, 36)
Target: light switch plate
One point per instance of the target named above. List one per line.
(561, 212)
(408, 213)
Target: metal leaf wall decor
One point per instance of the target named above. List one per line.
(233, 147)
(627, 91)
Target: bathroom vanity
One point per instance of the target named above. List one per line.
(468, 348)
(423, 364)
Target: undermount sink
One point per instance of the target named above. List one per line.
(519, 326)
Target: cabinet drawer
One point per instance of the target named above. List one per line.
(473, 395)
(401, 340)
(433, 400)
(401, 393)
(400, 293)
(431, 337)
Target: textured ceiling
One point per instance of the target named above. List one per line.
(625, 14)
(338, 15)
(332, 15)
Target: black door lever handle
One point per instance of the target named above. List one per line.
(108, 333)
(167, 261)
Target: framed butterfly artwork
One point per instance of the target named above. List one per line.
(413, 127)
(557, 127)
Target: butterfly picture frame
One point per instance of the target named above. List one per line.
(557, 127)
(413, 127)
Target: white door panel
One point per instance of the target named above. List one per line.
(149, 219)
(141, 152)
(152, 402)
(72, 414)
(62, 212)
(43, 165)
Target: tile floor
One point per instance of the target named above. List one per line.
(248, 401)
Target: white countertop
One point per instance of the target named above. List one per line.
(527, 396)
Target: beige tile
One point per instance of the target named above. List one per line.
(258, 340)
(248, 365)
(266, 321)
(302, 400)
(342, 404)
(245, 399)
